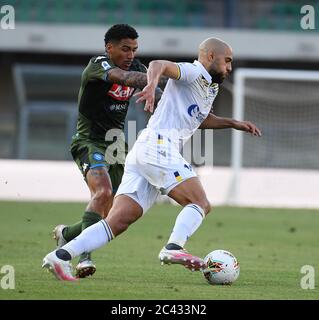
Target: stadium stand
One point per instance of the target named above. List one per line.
(258, 14)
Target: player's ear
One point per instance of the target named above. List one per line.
(108, 47)
(211, 56)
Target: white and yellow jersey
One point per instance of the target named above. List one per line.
(185, 103)
(155, 163)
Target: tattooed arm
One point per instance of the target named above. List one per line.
(132, 79)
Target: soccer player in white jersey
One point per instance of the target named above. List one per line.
(155, 164)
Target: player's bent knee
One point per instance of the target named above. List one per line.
(206, 206)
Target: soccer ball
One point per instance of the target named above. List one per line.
(222, 267)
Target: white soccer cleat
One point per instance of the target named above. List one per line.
(181, 257)
(85, 268)
(60, 268)
(58, 236)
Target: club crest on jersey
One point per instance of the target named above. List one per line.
(98, 156)
(120, 92)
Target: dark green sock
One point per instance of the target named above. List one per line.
(72, 231)
(88, 219)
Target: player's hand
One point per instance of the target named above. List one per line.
(247, 126)
(147, 95)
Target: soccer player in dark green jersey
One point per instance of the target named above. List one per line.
(107, 84)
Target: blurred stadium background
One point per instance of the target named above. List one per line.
(42, 58)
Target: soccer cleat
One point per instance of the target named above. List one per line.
(85, 268)
(181, 257)
(58, 236)
(60, 268)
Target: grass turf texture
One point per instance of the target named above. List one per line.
(270, 244)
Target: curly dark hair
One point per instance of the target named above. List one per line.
(119, 32)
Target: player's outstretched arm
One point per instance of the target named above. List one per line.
(156, 69)
(214, 122)
(132, 79)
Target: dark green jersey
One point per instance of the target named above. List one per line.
(102, 104)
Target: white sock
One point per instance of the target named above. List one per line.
(91, 238)
(187, 222)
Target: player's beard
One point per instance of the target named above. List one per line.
(217, 77)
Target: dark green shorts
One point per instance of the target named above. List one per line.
(89, 154)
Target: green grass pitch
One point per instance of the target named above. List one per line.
(271, 245)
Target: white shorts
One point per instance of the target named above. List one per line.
(153, 166)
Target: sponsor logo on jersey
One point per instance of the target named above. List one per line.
(117, 107)
(194, 112)
(120, 92)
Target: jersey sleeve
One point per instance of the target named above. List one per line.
(98, 68)
(187, 71)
